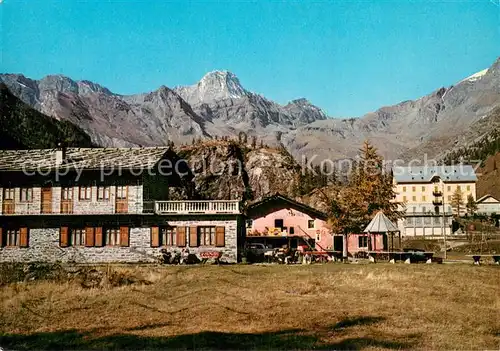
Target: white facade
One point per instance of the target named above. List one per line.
(488, 205)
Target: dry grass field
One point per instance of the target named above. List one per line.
(332, 306)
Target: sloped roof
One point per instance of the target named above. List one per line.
(380, 224)
(425, 174)
(259, 206)
(482, 198)
(82, 158)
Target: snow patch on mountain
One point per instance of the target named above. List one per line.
(475, 76)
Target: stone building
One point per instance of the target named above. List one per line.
(106, 205)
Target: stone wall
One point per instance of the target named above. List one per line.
(92, 206)
(44, 246)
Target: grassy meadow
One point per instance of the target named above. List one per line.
(330, 306)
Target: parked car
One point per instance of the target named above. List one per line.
(257, 249)
(416, 255)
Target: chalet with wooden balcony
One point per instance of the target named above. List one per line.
(107, 205)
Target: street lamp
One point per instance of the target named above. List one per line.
(442, 222)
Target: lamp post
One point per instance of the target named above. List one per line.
(442, 224)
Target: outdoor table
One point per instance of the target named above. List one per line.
(401, 255)
(477, 258)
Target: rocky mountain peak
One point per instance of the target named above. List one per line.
(86, 86)
(215, 85)
(303, 110)
(58, 82)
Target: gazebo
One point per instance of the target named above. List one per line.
(380, 224)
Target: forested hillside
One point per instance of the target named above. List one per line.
(481, 149)
(23, 127)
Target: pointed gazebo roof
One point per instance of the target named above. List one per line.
(380, 224)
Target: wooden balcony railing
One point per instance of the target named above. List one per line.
(122, 207)
(203, 207)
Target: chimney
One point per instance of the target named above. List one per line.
(60, 153)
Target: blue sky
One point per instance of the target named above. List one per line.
(348, 58)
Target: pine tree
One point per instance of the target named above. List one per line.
(457, 201)
(471, 205)
(369, 189)
(254, 142)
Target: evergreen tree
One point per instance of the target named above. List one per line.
(369, 189)
(254, 142)
(457, 201)
(471, 205)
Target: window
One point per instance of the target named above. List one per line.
(168, 236)
(436, 189)
(437, 220)
(85, 193)
(102, 193)
(11, 237)
(206, 236)
(77, 237)
(409, 221)
(468, 187)
(8, 193)
(423, 188)
(112, 236)
(404, 189)
(414, 198)
(458, 187)
(310, 224)
(26, 195)
(362, 241)
(413, 188)
(14, 237)
(448, 188)
(67, 193)
(423, 209)
(292, 230)
(423, 198)
(278, 223)
(414, 209)
(404, 198)
(121, 192)
(249, 223)
(436, 209)
(449, 197)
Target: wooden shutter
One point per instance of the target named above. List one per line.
(64, 237)
(220, 237)
(193, 236)
(89, 237)
(1, 237)
(124, 236)
(98, 237)
(181, 236)
(23, 240)
(155, 236)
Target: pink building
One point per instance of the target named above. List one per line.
(278, 220)
(359, 242)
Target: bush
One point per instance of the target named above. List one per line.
(18, 272)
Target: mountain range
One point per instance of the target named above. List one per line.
(218, 105)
